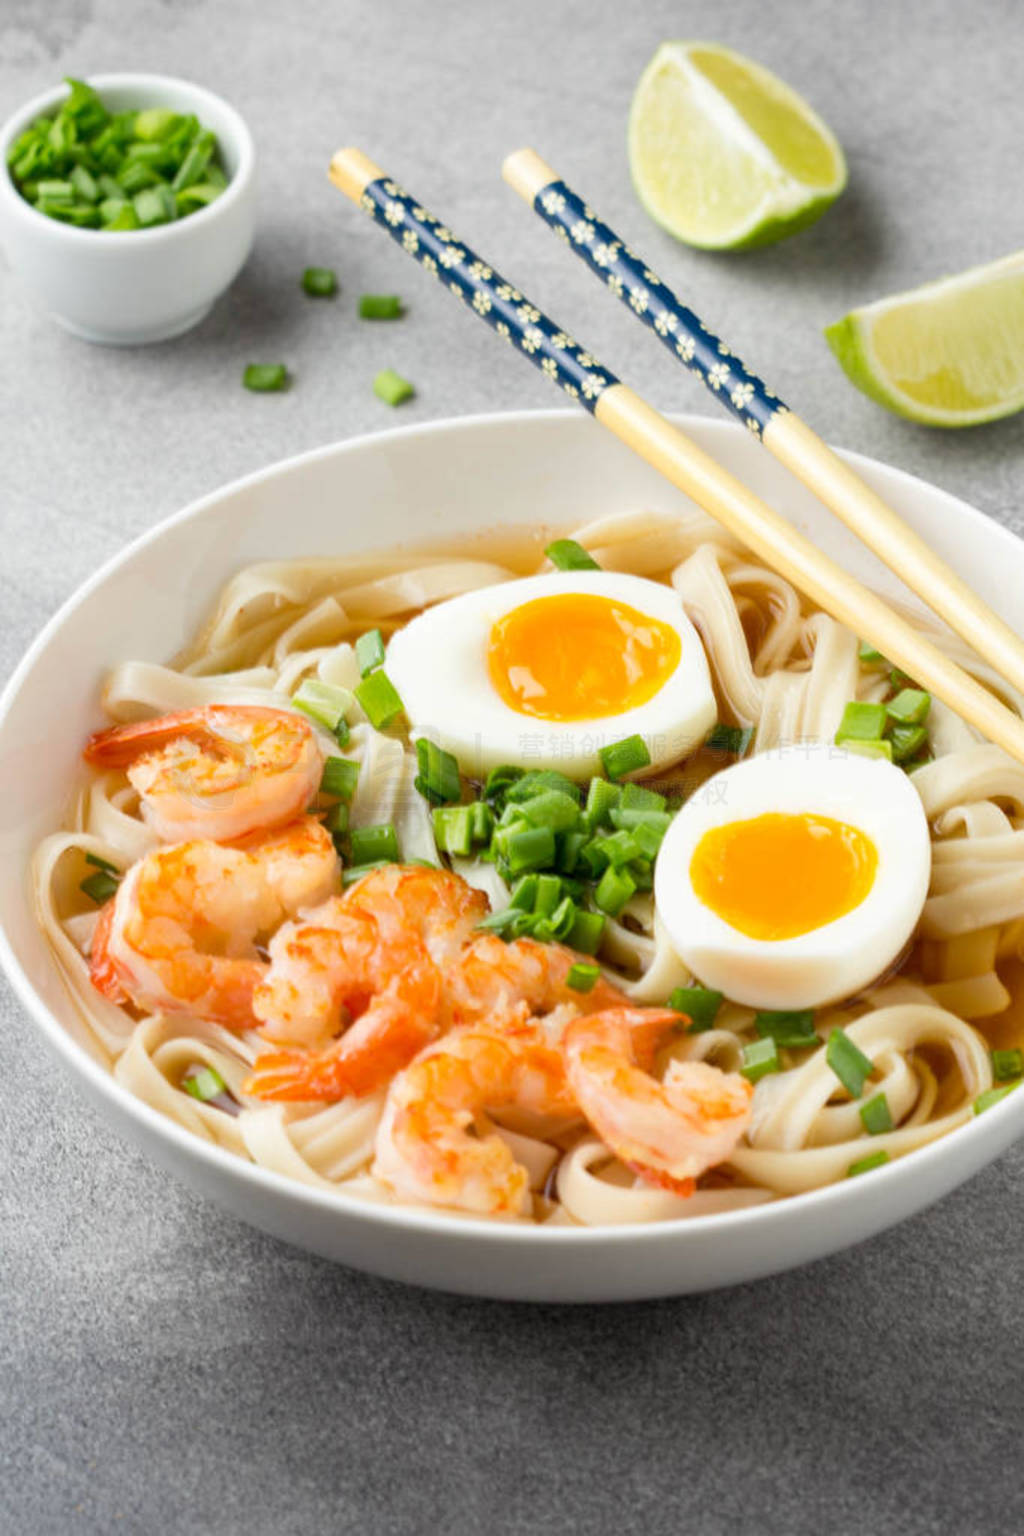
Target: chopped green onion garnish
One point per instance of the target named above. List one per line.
(204, 1084)
(582, 977)
(586, 932)
(636, 797)
(551, 809)
(319, 282)
(483, 821)
(438, 781)
(265, 378)
(866, 1164)
(614, 889)
(910, 706)
(336, 819)
(104, 864)
(729, 738)
(791, 1028)
(567, 555)
(339, 777)
(602, 798)
(865, 748)
(547, 894)
(99, 887)
(500, 780)
(322, 702)
(354, 872)
(380, 306)
(379, 698)
(876, 1116)
(538, 781)
(390, 387)
(992, 1096)
(524, 893)
(700, 1004)
(374, 845)
(870, 656)
(624, 757)
(525, 848)
(453, 829)
(1006, 1065)
(370, 651)
(861, 722)
(848, 1063)
(907, 741)
(759, 1058)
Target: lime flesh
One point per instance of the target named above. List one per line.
(725, 155)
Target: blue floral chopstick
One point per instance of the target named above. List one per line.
(631, 280)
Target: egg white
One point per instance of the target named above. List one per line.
(840, 958)
(438, 663)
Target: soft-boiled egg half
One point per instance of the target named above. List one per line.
(796, 878)
(546, 671)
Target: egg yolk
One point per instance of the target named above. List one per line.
(579, 656)
(778, 876)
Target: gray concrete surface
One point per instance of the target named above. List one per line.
(162, 1367)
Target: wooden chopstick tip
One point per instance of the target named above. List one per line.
(351, 172)
(526, 173)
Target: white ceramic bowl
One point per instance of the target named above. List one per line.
(451, 478)
(139, 285)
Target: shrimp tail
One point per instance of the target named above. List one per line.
(119, 745)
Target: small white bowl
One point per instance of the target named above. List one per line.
(448, 479)
(133, 286)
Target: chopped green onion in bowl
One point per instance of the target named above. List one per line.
(112, 171)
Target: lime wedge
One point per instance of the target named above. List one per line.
(950, 354)
(723, 154)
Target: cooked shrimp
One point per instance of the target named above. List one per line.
(372, 955)
(180, 935)
(668, 1132)
(490, 978)
(221, 771)
(425, 1150)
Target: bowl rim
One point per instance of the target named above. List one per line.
(442, 1224)
(236, 188)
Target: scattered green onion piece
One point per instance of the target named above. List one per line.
(618, 848)
(700, 1004)
(339, 777)
(379, 698)
(538, 781)
(866, 1164)
(380, 306)
(500, 780)
(602, 798)
(907, 741)
(563, 918)
(586, 931)
(793, 1029)
(322, 702)
(875, 1115)
(353, 872)
(453, 829)
(582, 977)
(637, 797)
(910, 706)
(870, 656)
(567, 555)
(483, 821)
(370, 651)
(390, 387)
(861, 722)
(848, 1063)
(99, 887)
(614, 889)
(104, 864)
(569, 847)
(759, 1058)
(439, 782)
(729, 738)
(547, 895)
(866, 748)
(526, 848)
(265, 378)
(625, 756)
(153, 124)
(206, 1084)
(898, 679)
(524, 893)
(1006, 1065)
(374, 845)
(551, 809)
(649, 834)
(992, 1096)
(319, 282)
(336, 819)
